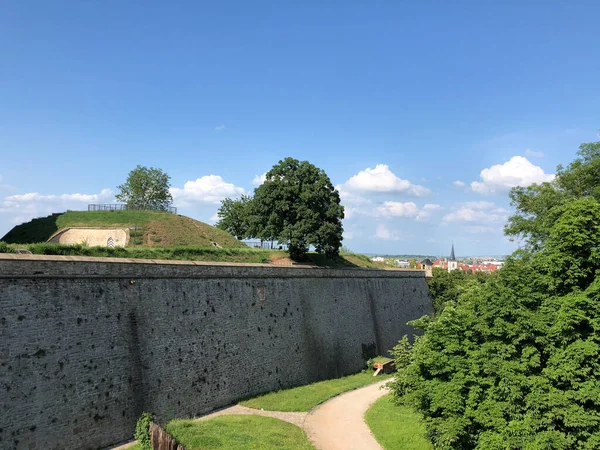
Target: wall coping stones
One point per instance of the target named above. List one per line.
(44, 266)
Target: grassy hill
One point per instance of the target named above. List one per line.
(157, 236)
(154, 229)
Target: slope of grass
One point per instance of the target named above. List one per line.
(157, 228)
(305, 398)
(238, 432)
(345, 260)
(396, 427)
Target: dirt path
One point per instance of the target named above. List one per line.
(339, 424)
(296, 418)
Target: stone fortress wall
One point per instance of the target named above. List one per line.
(88, 344)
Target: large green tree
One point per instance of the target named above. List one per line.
(514, 362)
(445, 287)
(538, 206)
(298, 204)
(146, 188)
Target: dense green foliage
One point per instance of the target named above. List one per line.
(142, 431)
(539, 205)
(297, 204)
(514, 362)
(305, 398)
(445, 286)
(396, 427)
(146, 188)
(233, 216)
(238, 432)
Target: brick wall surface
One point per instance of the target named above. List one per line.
(87, 345)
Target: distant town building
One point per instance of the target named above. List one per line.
(427, 266)
(452, 263)
(403, 264)
(493, 263)
(378, 259)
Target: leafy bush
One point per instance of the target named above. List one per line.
(142, 431)
(513, 362)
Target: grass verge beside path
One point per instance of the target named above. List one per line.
(305, 398)
(240, 433)
(396, 427)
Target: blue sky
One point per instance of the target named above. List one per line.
(396, 102)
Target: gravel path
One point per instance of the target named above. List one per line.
(339, 424)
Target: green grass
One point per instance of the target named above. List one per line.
(184, 253)
(238, 432)
(380, 360)
(305, 398)
(239, 255)
(345, 260)
(156, 227)
(396, 427)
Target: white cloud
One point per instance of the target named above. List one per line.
(32, 197)
(398, 209)
(533, 153)
(407, 209)
(477, 212)
(382, 180)
(354, 205)
(382, 232)
(220, 128)
(428, 210)
(518, 171)
(479, 205)
(24, 207)
(459, 183)
(259, 179)
(206, 189)
(478, 229)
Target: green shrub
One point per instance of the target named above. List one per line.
(4, 248)
(142, 431)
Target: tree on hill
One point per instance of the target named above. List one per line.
(234, 215)
(514, 361)
(296, 204)
(146, 188)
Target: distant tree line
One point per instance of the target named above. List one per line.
(512, 361)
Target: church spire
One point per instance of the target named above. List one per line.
(452, 257)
